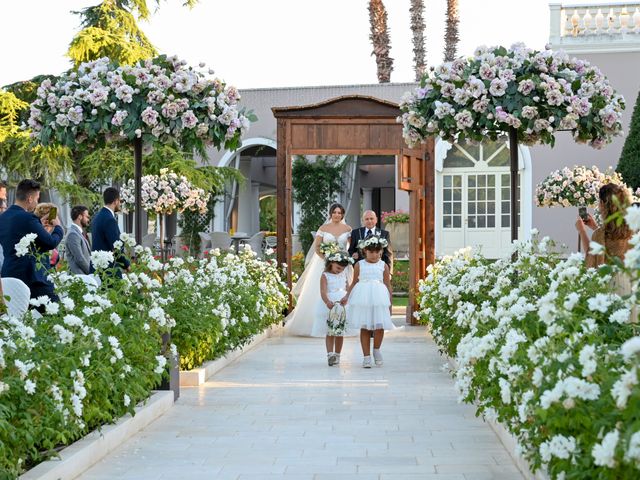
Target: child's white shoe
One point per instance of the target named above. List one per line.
(331, 359)
(337, 357)
(366, 363)
(377, 356)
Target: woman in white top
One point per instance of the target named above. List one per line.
(300, 321)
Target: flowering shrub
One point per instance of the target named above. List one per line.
(159, 100)
(98, 352)
(547, 348)
(395, 216)
(220, 302)
(534, 92)
(165, 193)
(577, 186)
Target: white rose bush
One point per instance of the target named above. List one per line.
(547, 348)
(160, 100)
(96, 354)
(535, 92)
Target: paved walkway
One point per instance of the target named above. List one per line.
(279, 412)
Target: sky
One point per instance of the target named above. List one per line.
(272, 43)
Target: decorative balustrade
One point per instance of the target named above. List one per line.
(578, 20)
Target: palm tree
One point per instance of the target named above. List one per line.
(451, 31)
(380, 39)
(417, 29)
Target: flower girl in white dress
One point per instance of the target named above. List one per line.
(369, 299)
(331, 321)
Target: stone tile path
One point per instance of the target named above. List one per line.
(279, 412)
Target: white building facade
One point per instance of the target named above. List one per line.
(472, 182)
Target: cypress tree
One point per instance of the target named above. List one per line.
(629, 163)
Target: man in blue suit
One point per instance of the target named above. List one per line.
(19, 221)
(104, 227)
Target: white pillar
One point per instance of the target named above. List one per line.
(555, 23)
(245, 199)
(367, 198)
(255, 207)
(218, 214)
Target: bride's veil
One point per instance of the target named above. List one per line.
(297, 288)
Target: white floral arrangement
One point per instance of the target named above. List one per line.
(340, 257)
(553, 357)
(165, 193)
(577, 186)
(535, 92)
(373, 241)
(337, 320)
(160, 100)
(329, 248)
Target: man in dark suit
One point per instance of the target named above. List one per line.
(104, 227)
(370, 219)
(19, 221)
(77, 250)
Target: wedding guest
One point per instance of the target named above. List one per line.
(19, 221)
(3, 197)
(369, 220)
(43, 212)
(77, 248)
(104, 228)
(613, 235)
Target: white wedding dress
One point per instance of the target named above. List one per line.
(307, 289)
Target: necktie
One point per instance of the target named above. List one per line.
(368, 233)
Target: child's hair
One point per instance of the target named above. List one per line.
(376, 247)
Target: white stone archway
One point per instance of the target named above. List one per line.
(453, 236)
(248, 194)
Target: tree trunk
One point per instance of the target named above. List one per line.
(451, 31)
(380, 39)
(417, 30)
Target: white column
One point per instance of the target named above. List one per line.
(218, 214)
(245, 199)
(367, 198)
(555, 23)
(255, 207)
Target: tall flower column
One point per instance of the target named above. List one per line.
(517, 92)
(158, 101)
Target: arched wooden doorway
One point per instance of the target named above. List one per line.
(357, 125)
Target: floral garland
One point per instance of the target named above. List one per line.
(340, 257)
(373, 240)
(159, 100)
(535, 92)
(165, 193)
(577, 186)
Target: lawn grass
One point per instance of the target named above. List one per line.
(400, 301)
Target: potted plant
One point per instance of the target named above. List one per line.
(396, 222)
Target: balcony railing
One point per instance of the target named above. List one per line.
(602, 23)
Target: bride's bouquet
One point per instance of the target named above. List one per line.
(329, 248)
(337, 320)
(575, 187)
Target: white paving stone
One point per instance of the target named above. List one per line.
(280, 412)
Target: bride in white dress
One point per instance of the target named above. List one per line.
(307, 289)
